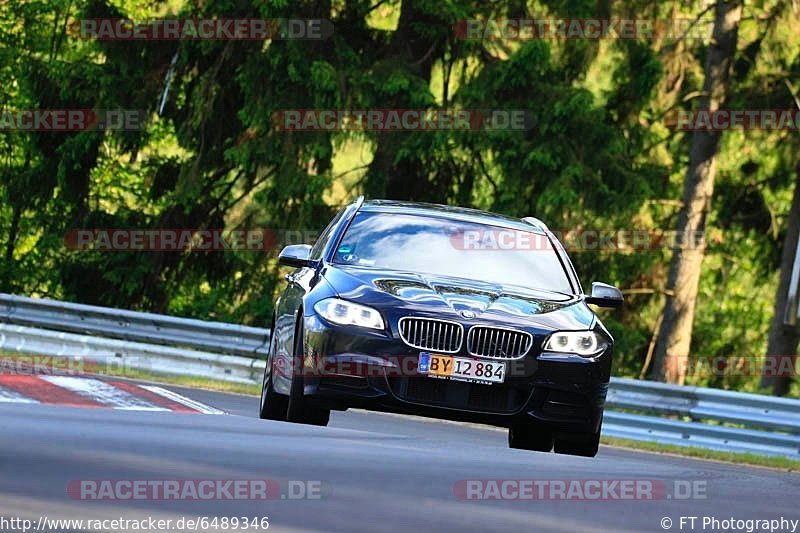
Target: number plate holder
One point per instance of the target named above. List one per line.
(461, 368)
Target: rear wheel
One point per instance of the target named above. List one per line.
(530, 436)
(582, 444)
(299, 410)
(273, 404)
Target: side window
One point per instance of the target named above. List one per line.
(322, 242)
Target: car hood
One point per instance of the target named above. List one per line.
(406, 293)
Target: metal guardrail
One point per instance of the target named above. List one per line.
(114, 355)
(755, 423)
(638, 410)
(111, 323)
(699, 404)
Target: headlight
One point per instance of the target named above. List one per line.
(583, 343)
(349, 313)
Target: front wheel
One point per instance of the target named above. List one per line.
(530, 436)
(299, 410)
(582, 444)
(273, 404)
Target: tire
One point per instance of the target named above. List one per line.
(530, 436)
(581, 444)
(299, 411)
(273, 405)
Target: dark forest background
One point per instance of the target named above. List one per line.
(601, 154)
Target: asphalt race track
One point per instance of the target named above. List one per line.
(367, 472)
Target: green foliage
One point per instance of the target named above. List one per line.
(596, 155)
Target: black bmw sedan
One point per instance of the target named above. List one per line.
(444, 312)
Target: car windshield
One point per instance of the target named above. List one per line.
(452, 248)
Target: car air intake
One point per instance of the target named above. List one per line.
(431, 334)
(495, 398)
(498, 342)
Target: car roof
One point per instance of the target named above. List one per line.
(449, 212)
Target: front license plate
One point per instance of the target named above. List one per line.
(461, 368)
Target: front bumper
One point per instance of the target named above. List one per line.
(351, 367)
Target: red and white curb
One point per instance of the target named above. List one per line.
(91, 392)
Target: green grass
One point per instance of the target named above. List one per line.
(189, 381)
(752, 459)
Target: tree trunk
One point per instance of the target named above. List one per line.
(783, 339)
(687, 258)
(415, 52)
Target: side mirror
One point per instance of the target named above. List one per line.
(295, 255)
(605, 295)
